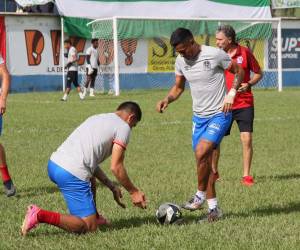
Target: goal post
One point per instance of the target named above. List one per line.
(148, 62)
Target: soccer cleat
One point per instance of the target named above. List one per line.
(212, 215)
(110, 92)
(30, 220)
(247, 181)
(194, 204)
(9, 188)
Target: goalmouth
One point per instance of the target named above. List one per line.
(124, 62)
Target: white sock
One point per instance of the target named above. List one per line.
(65, 97)
(212, 203)
(91, 91)
(201, 194)
(84, 90)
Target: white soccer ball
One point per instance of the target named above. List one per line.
(168, 213)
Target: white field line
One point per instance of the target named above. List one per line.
(143, 124)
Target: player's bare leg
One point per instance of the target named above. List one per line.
(203, 154)
(81, 96)
(215, 161)
(206, 179)
(246, 139)
(65, 96)
(69, 223)
(9, 187)
(203, 160)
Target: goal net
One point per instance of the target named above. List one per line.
(135, 52)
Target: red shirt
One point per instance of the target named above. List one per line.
(247, 61)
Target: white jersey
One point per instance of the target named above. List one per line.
(72, 57)
(94, 53)
(90, 144)
(206, 77)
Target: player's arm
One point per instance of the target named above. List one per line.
(173, 94)
(257, 73)
(119, 171)
(238, 71)
(102, 177)
(4, 88)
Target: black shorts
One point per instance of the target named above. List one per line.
(244, 118)
(72, 77)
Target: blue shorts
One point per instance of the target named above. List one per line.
(212, 129)
(77, 193)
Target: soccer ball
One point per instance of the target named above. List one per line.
(168, 213)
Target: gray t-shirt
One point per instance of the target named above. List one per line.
(205, 75)
(90, 144)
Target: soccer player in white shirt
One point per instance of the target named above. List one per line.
(74, 166)
(203, 68)
(92, 63)
(72, 67)
(9, 187)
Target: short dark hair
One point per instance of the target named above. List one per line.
(131, 107)
(180, 35)
(94, 40)
(228, 31)
(68, 41)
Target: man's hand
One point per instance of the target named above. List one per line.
(117, 196)
(2, 106)
(244, 87)
(162, 105)
(228, 101)
(138, 199)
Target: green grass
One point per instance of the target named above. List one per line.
(160, 161)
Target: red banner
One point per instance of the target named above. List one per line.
(2, 38)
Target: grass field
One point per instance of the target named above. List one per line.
(160, 161)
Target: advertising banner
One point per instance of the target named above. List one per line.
(290, 49)
(284, 4)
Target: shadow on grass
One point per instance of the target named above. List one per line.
(291, 207)
(279, 177)
(36, 191)
(130, 223)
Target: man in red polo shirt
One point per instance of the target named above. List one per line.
(243, 106)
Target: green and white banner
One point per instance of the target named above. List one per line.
(94, 9)
(77, 13)
(27, 3)
(285, 4)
